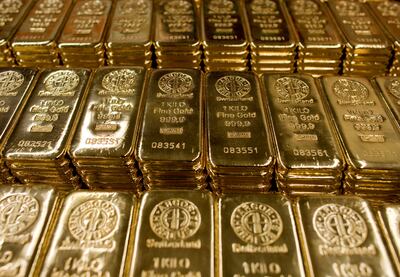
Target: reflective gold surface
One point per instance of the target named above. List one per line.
(390, 88)
(174, 235)
(257, 236)
(91, 235)
(340, 237)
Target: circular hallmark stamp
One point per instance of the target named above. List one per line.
(292, 88)
(120, 80)
(17, 213)
(394, 88)
(175, 84)
(10, 6)
(339, 225)
(389, 8)
(233, 86)
(221, 6)
(10, 81)
(350, 90)
(93, 220)
(263, 6)
(305, 7)
(61, 81)
(348, 8)
(178, 7)
(175, 219)
(256, 223)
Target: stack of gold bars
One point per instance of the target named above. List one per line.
(309, 159)
(102, 148)
(273, 41)
(224, 39)
(387, 14)
(36, 151)
(35, 42)
(177, 34)
(129, 34)
(81, 41)
(321, 46)
(239, 149)
(369, 136)
(171, 143)
(368, 51)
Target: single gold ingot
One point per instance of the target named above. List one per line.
(92, 231)
(390, 88)
(27, 213)
(370, 138)
(172, 121)
(340, 235)
(44, 129)
(257, 236)
(174, 234)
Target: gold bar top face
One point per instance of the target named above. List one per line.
(14, 85)
(11, 15)
(358, 24)
(90, 236)
(45, 123)
(387, 13)
(131, 23)
(340, 235)
(301, 129)
(108, 123)
(370, 138)
(314, 25)
(390, 217)
(43, 23)
(172, 119)
(269, 23)
(174, 235)
(390, 88)
(175, 23)
(257, 236)
(222, 24)
(25, 212)
(86, 23)
(236, 128)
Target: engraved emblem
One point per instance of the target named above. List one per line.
(339, 225)
(394, 88)
(348, 8)
(176, 7)
(263, 7)
(121, 81)
(175, 219)
(291, 88)
(221, 6)
(256, 223)
(51, 6)
(305, 7)
(93, 220)
(351, 91)
(17, 213)
(232, 86)
(10, 6)
(389, 8)
(61, 81)
(175, 84)
(10, 81)
(134, 7)
(95, 7)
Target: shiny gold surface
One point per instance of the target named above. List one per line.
(91, 235)
(174, 235)
(257, 236)
(390, 88)
(340, 236)
(26, 213)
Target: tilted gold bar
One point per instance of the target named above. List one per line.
(387, 14)
(107, 128)
(44, 128)
(174, 235)
(257, 236)
(91, 235)
(370, 138)
(26, 215)
(390, 88)
(340, 236)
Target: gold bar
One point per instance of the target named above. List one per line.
(387, 15)
(172, 121)
(108, 126)
(175, 230)
(340, 237)
(370, 138)
(257, 236)
(236, 127)
(390, 88)
(91, 235)
(26, 214)
(46, 122)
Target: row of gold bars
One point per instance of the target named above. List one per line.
(129, 127)
(306, 36)
(193, 233)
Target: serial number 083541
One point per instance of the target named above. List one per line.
(168, 145)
